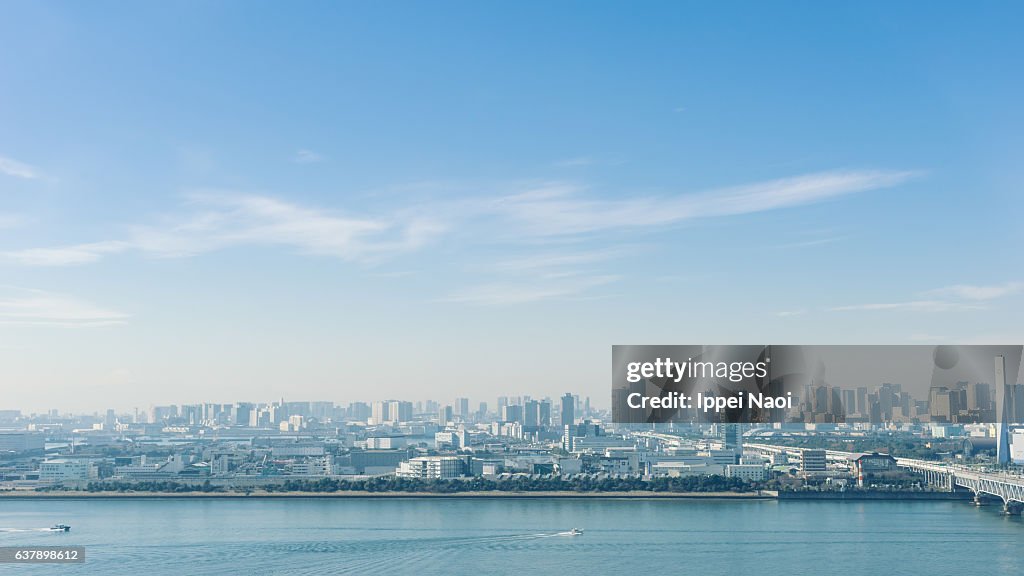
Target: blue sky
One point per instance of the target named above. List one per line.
(242, 201)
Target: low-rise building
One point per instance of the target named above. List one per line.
(61, 470)
(430, 467)
(747, 472)
(814, 462)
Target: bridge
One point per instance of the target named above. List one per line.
(1007, 487)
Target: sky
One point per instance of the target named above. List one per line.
(244, 201)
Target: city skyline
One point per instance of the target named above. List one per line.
(440, 199)
(461, 406)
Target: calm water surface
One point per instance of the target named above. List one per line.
(506, 536)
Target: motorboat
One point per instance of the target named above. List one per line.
(60, 528)
(576, 532)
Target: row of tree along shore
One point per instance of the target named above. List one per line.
(391, 484)
(515, 485)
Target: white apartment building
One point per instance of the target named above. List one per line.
(748, 472)
(61, 470)
(430, 467)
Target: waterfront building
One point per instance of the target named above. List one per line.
(814, 462)
(747, 472)
(60, 470)
(432, 467)
(873, 465)
(372, 462)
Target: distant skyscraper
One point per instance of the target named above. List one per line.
(732, 439)
(462, 407)
(531, 414)
(849, 401)
(568, 410)
(243, 413)
(1002, 430)
(358, 411)
(399, 411)
(380, 412)
(445, 415)
(862, 401)
(512, 413)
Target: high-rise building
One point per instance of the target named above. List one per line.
(243, 413)
(849, 401)
(381, 413)
(1002, 430)
(568, 410)
(462, 407)
(358, 411)
(732, 439)
(445, 415)
(512, 413)
(399, 411)
(531, 414)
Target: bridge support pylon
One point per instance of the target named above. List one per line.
(1012, 508)
(977, 499)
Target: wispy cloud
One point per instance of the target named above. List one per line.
(947, 299)
(509, 293)
(67, 255)
(909, 306)
(975, 292)
(790, 313)
(218, 221)
(304, 156)
(37, 307)
(560, 209)
(545, 215)
(12, 167)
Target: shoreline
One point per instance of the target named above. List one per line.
(852, 496)
(635, 495)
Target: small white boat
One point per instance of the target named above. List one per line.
(576, 532)
(60, 528)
